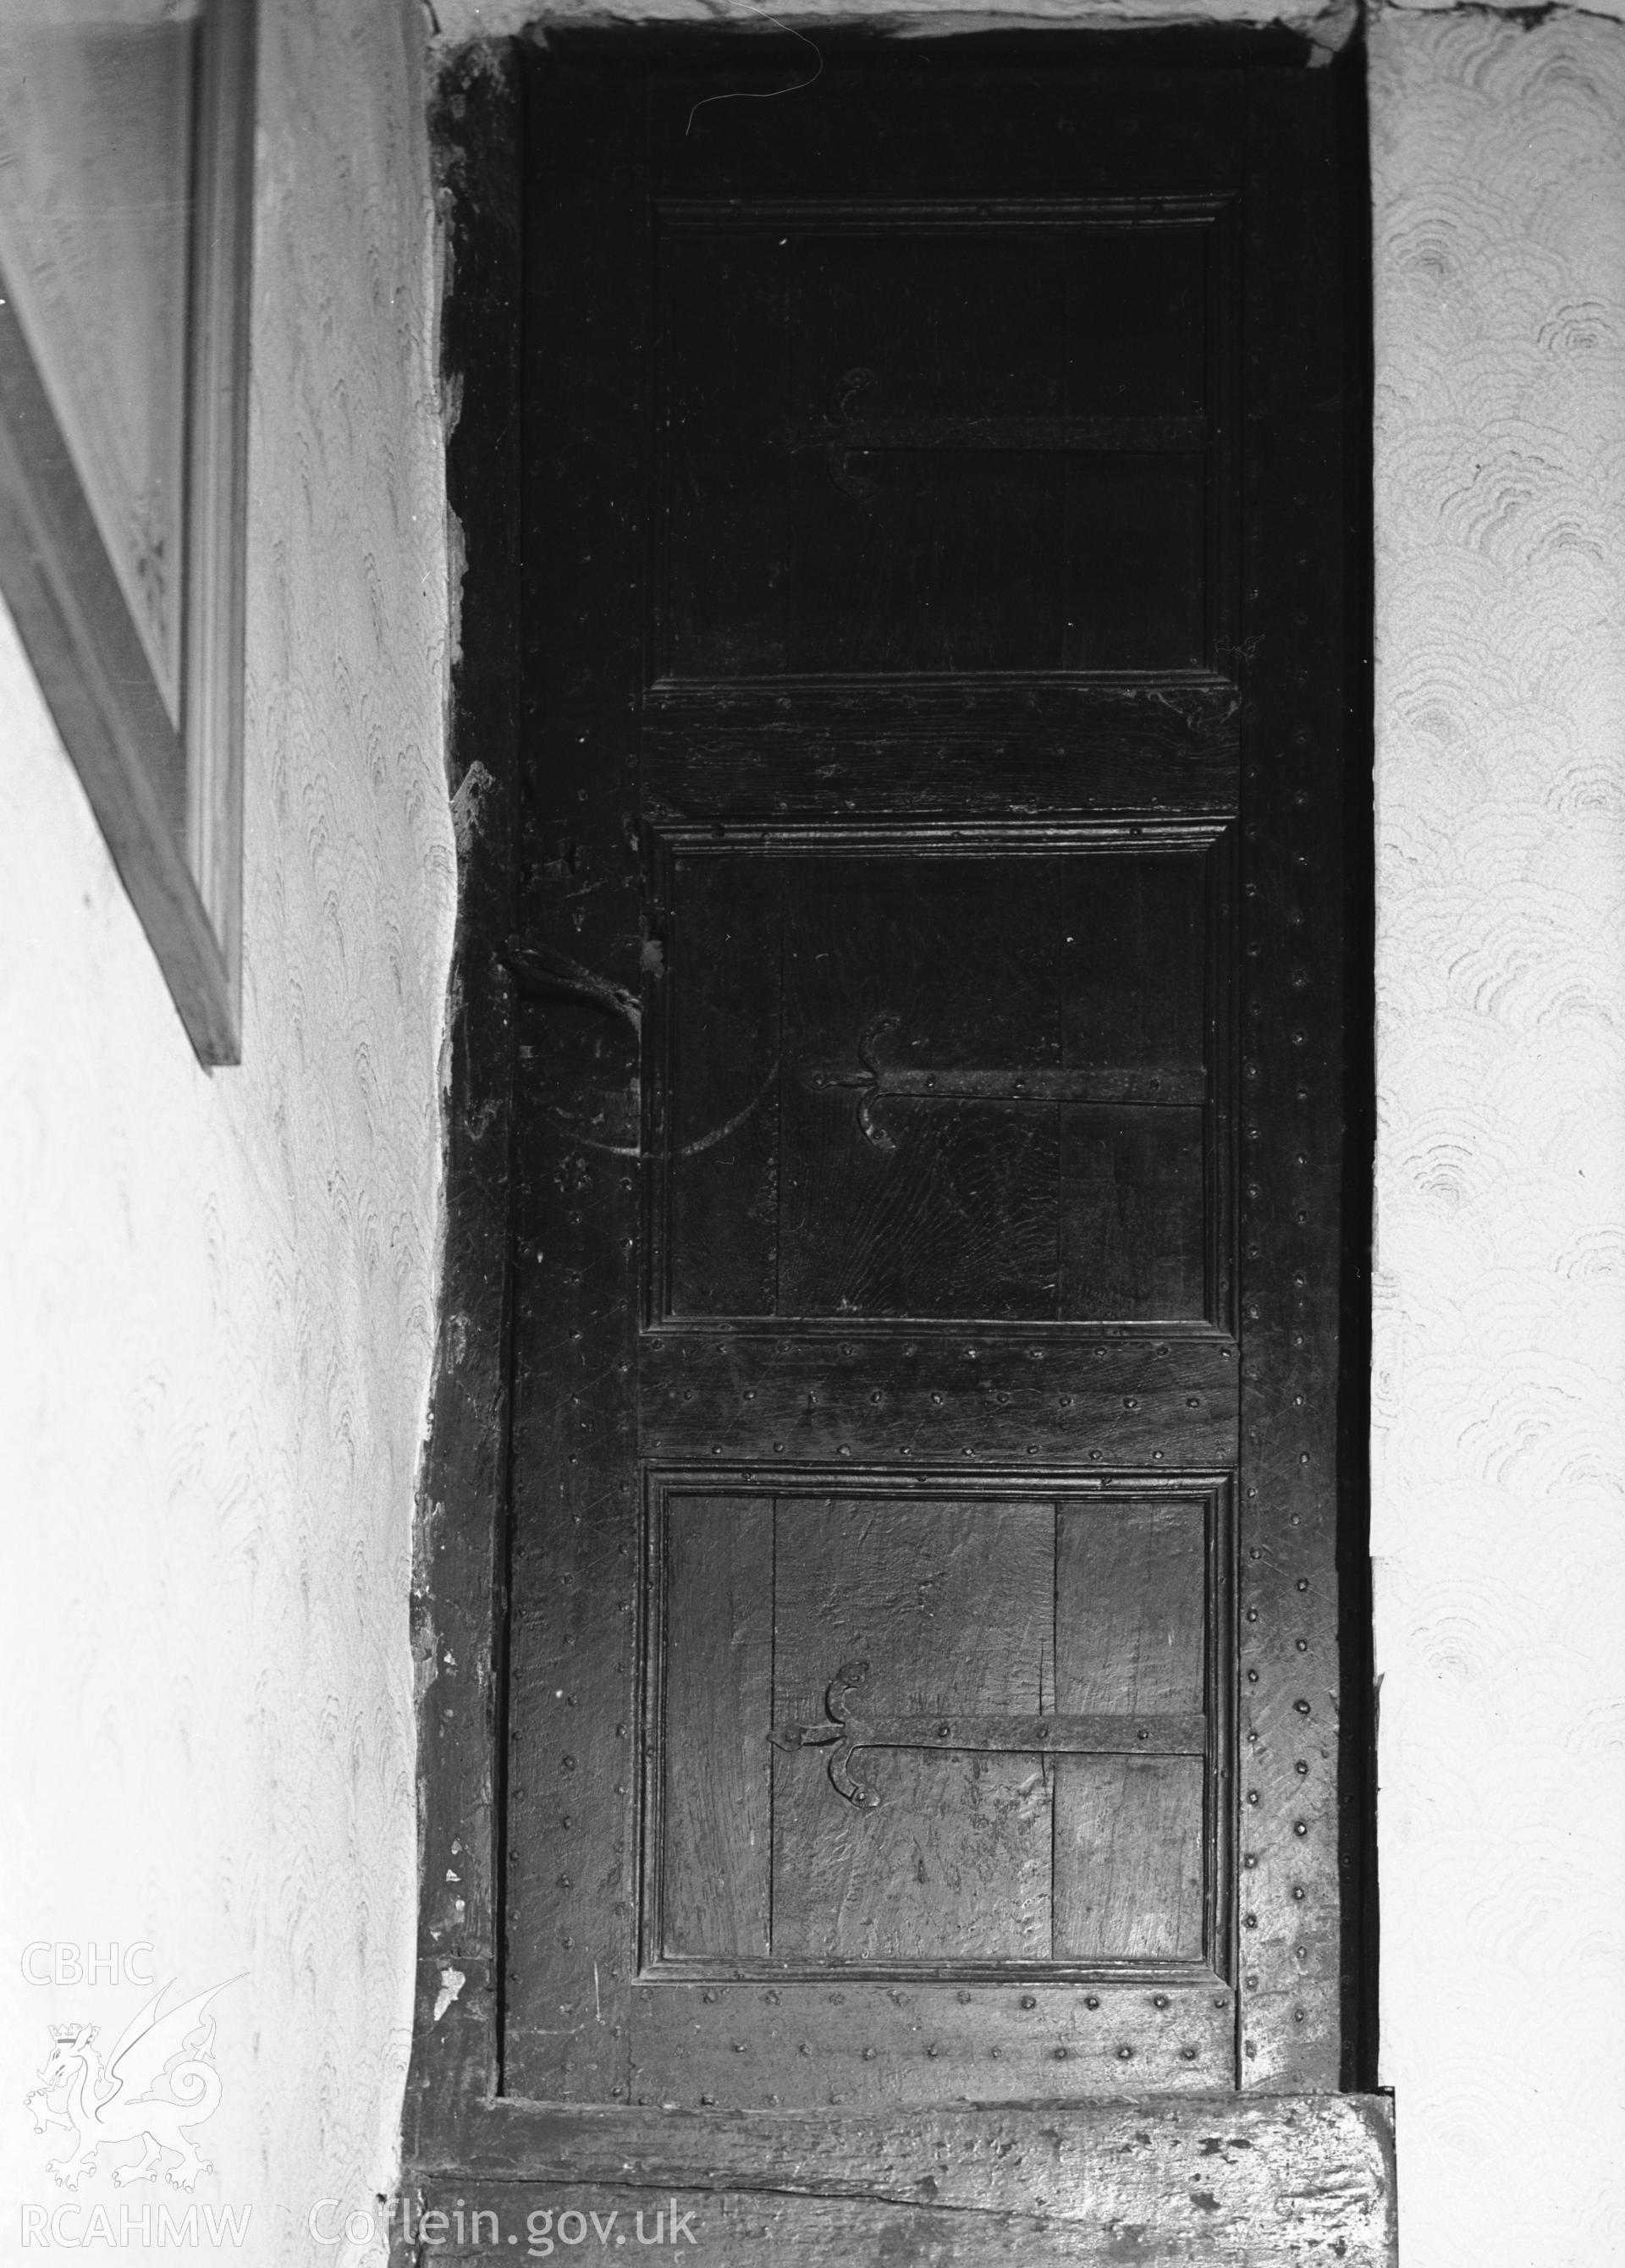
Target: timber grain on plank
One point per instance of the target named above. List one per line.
(1263, 2182)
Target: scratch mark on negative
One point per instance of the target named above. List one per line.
(693, 1149)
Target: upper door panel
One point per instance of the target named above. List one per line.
(943, 438)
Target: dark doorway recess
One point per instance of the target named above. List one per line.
(892, 1611)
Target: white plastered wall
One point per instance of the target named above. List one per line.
(1499, 1453)
(216, 1293)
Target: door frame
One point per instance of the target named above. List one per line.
(1288, 2169)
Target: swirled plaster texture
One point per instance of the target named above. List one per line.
(216, 1293)
(1499, 1465)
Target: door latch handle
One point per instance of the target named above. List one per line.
(541, 974)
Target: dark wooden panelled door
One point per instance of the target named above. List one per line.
(921, 1686)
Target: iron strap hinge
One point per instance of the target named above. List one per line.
(844, 1732)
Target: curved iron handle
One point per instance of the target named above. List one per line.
(541, 974)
